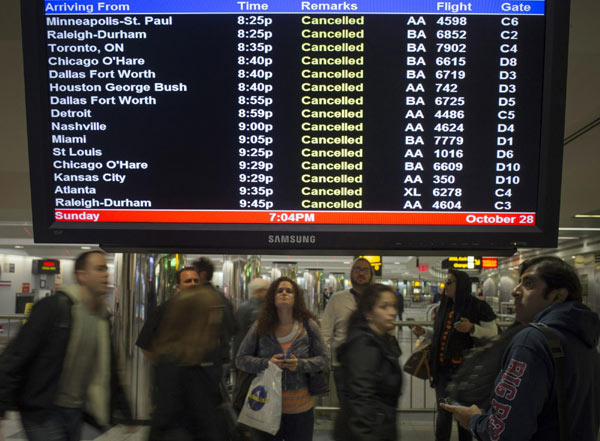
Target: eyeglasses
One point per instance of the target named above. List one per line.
(282, 290)
(449, 282)
(357, 269)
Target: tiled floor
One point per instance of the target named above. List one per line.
(412, 427)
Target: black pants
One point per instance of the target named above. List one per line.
(339, 384)
(61, 424)
(443, 418)
(294, 427)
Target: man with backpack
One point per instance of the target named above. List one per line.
(61, 369)
(539, 394)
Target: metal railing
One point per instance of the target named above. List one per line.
(11, 323)
(9, 327)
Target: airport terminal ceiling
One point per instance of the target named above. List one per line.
(578, 196)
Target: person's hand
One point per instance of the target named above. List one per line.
(462, 414)
(291, 363)
(464, 325)
(277, 360)
(418, 330)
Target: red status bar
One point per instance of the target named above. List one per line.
(295, 217)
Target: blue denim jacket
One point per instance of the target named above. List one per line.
(247, 361)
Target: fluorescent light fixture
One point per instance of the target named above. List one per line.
(86, 248)
(587, 216)
(579, 229)
(19, 246)
(567, 237)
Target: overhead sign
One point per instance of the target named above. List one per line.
(423, 268)
(462, 262)
(375, 262)
(489, 262)
(46, 266)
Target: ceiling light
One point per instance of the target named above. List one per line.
(567, 237)
(587, 216)
(19, 246)
(346, 263)
(396, 263)
(579, 229)
(86, 248)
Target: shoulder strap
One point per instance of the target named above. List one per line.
(310, 337)
(257, 343)
(63, 318)
(558, 355)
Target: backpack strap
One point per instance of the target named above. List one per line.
(310, 337)
(558, 355)
(63, 317)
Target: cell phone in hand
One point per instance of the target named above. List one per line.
(450, 401)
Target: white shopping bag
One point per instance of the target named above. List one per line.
(262, 408)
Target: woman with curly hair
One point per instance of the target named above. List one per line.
(279, 336)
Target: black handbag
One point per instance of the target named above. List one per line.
(318, 382)
(243, 380)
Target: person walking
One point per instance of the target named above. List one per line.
(187, 383)
(61, 367)
(370, 370)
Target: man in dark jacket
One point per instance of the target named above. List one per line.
(524, 403)
(205, 269)
(60, 368)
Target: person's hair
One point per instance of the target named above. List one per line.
(366, 303)
(185, 268)
(268, 318)
(556, 273)
(257, 283)
(81, 260)
(204, 265)
(188, 329)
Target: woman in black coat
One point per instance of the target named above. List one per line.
(459, 319)
(371, 372)
(188, 397)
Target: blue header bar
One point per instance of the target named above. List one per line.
(465, 7)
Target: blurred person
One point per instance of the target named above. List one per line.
(247, 312)
(205, 269)
(370, 370)
(279, 336)
(524, 402)
(187, 384)
(334, 323)
(61, 367)
(459, 318)
(186, 277)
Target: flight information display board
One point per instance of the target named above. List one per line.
(296, 124)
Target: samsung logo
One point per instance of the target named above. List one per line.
(280, 238)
